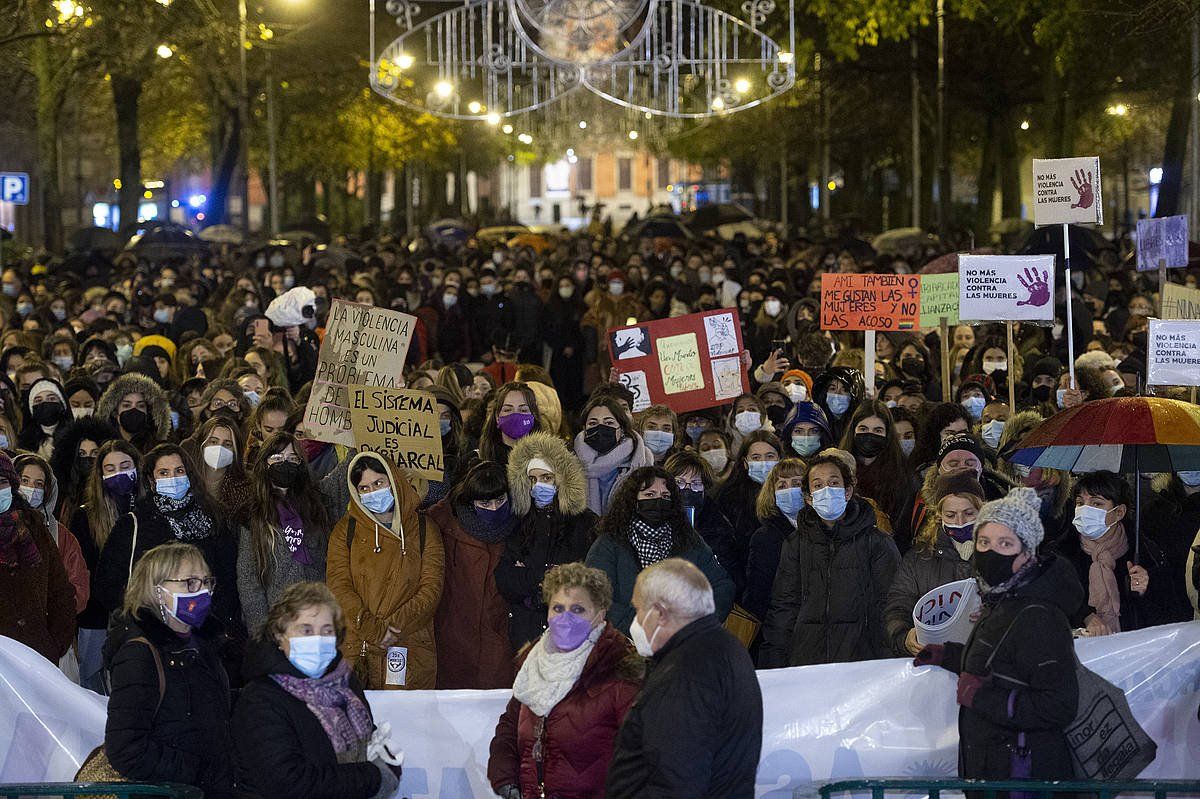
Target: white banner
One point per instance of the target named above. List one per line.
(1173, 352)
(999, 288)
(1067, 190)
(821, 723)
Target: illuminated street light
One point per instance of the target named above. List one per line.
(404, 61)
(1118, 110)
(493, 118)
(443, 89)
(718, 104)
(582, 125)
(164, 51)
(1024, 124)
(785, 57)
(507, 129)
(474, 106)
(633, 134)
(741, 85)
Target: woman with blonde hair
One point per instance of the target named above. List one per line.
(780, 500)
(168, 715)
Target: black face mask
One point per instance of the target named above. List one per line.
(655, 512)
(993, 567)
(776, 414)
(1042, 393)
(868, 445)
(285, 473)
(47, 413)
(913, 367)
(133, 420)
(85, 466)
(601, 438)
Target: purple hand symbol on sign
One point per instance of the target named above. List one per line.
(1038, 287)
(1083, 186)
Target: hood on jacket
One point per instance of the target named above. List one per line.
(568, 473)
(49, 493)
(87, 428)
(404, 519)
(134, 383)
(858, 519)
(809, 413)
(1056, 584)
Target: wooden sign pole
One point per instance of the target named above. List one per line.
(944, 335)
(869, 363)
(1070, 297)
(1012, 389)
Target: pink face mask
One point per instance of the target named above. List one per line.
(568, 631)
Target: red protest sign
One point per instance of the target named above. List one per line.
(686, 363)
(870, 302)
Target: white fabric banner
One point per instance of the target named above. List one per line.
(843, 721)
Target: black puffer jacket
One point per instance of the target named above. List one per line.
(186, 739)
(920, 572)
(1038, 652)
(282, 750)
(763, 562)
(828, 598)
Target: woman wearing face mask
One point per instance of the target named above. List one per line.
(768, 325)
(268, 418)
(973, 396)
(715, 447)
(302, 726)
(738, 497)
(512, 415)
(1017, 689)
(74, 460)
(940, 554)
(748, 415)
(838, 390)
(216, 447)
(990, 358)
(138, 408)
(797, 385)
(991, 426)
(385, 565)
(226, 397)
(609, 449)
(807, 430)
(828, 596)
(562, 332)
(555, 527)
(659, 427)
(573, 689)
(287, 531)
(46, 417)
(914, 362)
(778, 507)
(882, 475)
(62, 351)
(645, 525)
(82, 394)
(168, 715)
(776, 403)
(695, 481)
(471, 625)
(906, 424)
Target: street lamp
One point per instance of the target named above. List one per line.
(1122, 110)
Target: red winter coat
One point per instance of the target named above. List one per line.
(578, 734)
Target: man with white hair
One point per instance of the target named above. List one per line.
(695, 730)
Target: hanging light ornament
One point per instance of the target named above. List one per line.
(475, 59)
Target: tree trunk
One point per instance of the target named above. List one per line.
(226, 140)
(1170, 190)
(986, 201)
(49, 106)
(1009, 162)
(127, 92)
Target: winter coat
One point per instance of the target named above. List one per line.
(38, 600)
(1039, 652)
(605, 472)
(94, 616)
(561, 330)
(387, 576)
(491, 314)
(68, 546)
(453, 333)
(527, 322)
(718, 533)
(158, 428)
(578, 735)
(185, 736)
(762, 563)
(920, 572)
(257, 598)
(827, 601)
(618, 560)
(695, 729)
(471, 624)
(282, 749)
(735, 500)
(64, 462)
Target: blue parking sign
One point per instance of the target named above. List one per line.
(14, 188)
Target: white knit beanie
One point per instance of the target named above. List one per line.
(1020, 512)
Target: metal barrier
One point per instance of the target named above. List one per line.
(1160, 789)
(121, 790)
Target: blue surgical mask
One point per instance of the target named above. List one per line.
(907, 445)
(806, 444)
(444, 427)
(991, 433)
(543, 494)
(124, 353)
(1189, 478)
(380, 501)
(312, 654)
(658, 441)
(174, 420)
(974, 406)
(789, 501)
(162, 316)
(829, 502)
(1059, 397)
(33, 496)
(175, 488)
(3, 441)
(253, 398)
(5, 499)
(838, 404)
(760, 469)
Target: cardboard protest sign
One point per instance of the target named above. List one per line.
(687, 363)
(1000, 288)
(401, 424)
(1163, 240)
(1173, 352)
(870, 302)
(1067, 190)
(939, 299)
(1180, 302)
(363, 345)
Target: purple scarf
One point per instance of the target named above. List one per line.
(342, 714)
(293, 532)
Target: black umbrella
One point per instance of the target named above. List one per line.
(311, 224)
(165, 241)
(661, 227)
(711, 216)
(96, 239)
(1086, 243)
(861, 250)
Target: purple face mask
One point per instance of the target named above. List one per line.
(121, 484)
(516, 425)
(191, 609)
(568, 631)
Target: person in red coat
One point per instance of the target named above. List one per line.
(574, 687)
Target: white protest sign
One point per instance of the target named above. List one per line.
(1173, 352)
(1162, 240)
(1067, 190)
(1003, 288)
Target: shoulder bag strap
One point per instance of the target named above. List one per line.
(1011, 624)
(158, 667)
(133, 549)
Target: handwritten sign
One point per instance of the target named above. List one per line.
(679, 360)
(363, 345)
(939, 299)
(1173, 353)
(999, 288)
(1162, 240)
(1180, 302)
(401, 424)
(870, 302)
(1067, 190)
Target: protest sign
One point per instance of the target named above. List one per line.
(870, 302)
(399, 423)
(363, 345)
(1067, 190)
(687, 363)
(1180, 302)
(1162, 241)
(1173, 352)
(999, 288)
(939, 300)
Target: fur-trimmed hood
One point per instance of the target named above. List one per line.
(568, 473)
(63, 461)
(133, 383)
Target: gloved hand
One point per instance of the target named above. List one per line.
(968, 686)
(389, 780)
(930, 655)
(380, 748)
(509, 792)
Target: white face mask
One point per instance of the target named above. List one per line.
(994, 366)
(772, 307)
(218, 457)
(797, 392)
(637, 633)
(991, 433)
(1191, 479)
(1090, 521)
(717, 458)
(616, 288)
(747, 422)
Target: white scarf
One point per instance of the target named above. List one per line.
(548, 675)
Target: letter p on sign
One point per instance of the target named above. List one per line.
(14, 188)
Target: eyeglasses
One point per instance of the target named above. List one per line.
(194, 584)
(279, 457)
(695, 485)
(382, 482)
(218, 405)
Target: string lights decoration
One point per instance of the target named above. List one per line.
(493, 59)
